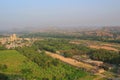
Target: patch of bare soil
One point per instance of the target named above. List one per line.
(103, 47)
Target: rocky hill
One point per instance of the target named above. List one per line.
(112, 33)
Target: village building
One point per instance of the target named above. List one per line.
(13, 37)
(13, 41)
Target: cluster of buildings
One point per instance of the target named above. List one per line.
(13, 41)
(13, 37)
(9, 39)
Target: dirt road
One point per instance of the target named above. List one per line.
(76, 63)
(71, 61)
(103, 47)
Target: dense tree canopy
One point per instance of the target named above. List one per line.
(106, 56)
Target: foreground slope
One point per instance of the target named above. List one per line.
(16, 66)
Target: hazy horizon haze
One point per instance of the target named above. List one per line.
(20, 14)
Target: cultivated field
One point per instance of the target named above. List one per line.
(16, 62)
(98, 44)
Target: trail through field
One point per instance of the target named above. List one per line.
(71, 61)
(103, 47)
(75, 63)
(98, 45)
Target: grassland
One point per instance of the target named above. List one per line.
(16, 62)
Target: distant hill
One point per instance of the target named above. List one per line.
(112, 33)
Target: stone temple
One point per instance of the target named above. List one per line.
(13, 37)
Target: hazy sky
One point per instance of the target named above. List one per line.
(41, 13)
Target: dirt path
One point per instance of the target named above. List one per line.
(103, 47)
(100, 77)
(97, 45)
(76, 63)
(71, 61)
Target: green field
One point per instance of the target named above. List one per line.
(18, 66)
(16, 62)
